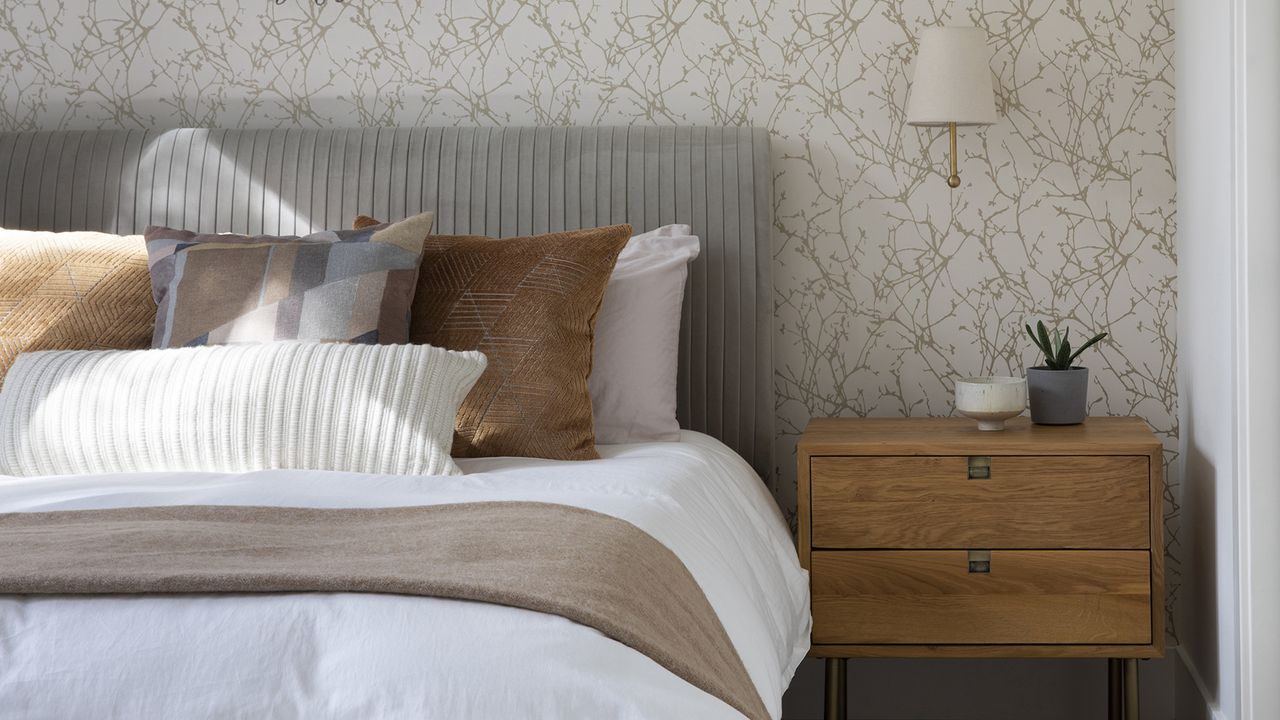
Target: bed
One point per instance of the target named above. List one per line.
(350, 654)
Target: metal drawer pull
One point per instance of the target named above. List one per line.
(979, 468)
(979, 561)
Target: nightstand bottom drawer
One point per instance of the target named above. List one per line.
(934, 597)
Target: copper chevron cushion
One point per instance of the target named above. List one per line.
(529, 304)
(72, 291)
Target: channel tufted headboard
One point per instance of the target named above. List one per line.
(490, 181)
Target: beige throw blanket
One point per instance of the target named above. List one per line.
(588, 567)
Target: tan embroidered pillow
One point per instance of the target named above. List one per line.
(72, 291)
(529, 304)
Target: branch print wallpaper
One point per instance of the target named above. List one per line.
(888, 284)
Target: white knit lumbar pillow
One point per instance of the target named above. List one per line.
(235, 408)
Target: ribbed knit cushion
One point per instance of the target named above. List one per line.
(344, 285)
(72, 291)
(310, 406)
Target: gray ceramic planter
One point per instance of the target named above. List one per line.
(1058, 397)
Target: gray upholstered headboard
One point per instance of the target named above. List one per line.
(490, 181)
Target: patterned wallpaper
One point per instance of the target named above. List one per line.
(888, 284)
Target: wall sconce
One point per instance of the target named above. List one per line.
(951, 85)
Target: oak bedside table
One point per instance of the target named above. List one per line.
(925, 537)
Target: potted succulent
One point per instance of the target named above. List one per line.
(1058, 390)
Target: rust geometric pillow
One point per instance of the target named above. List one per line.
(73, 291)
(529, 304)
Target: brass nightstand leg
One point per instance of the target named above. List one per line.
(1115, 689)
(1131, 689)
(837, 706)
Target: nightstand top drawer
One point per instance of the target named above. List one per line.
(961, 436)
(1098, 502)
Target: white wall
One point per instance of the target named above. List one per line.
(1228, 111)
(1203, 149)
(1204, 131)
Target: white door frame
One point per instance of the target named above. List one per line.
(1256, 111)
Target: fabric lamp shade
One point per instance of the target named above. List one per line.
(952, 79)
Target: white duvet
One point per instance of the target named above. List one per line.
(350, 655)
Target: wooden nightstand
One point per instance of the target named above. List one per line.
(925, 537)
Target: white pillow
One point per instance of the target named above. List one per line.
(235, 408)
(637, 338)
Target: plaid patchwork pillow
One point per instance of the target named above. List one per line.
(343, 286)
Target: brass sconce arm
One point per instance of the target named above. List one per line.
(954, 180)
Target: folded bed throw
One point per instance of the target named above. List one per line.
(591, 568)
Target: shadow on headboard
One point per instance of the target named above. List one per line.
(489, 181)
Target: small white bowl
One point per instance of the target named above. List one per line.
(991, 400)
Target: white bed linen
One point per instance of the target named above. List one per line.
(348, 655)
